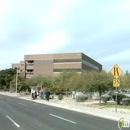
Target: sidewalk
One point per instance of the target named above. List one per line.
(100, 112)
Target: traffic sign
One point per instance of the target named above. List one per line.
(116, 71)
(116, 83)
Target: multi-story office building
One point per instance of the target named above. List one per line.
(50, 64)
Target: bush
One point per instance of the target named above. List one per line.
(105, 98)
(58, 93)
(126, 101)
(81, 98)
(120, 96)
(60, 97)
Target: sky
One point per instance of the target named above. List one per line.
(98, 28)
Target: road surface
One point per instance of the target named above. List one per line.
(19, 114)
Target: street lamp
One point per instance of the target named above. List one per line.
(16, 79)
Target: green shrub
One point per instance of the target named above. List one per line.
(105, 98)
(60, 96)
(126, 101)
(120, 96)
(81, 98)
(58, 93)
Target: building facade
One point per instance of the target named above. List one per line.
(51, 64)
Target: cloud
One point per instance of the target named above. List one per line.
(118, 58)
(4, 7)
(100, 29)
(58, 13)
(51, 42)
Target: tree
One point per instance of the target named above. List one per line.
(84, 82)
(62, 82)
(126, 81)
(21, 85)
(39, 80)
(101, 81)
(6, 77)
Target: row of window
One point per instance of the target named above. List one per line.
(77, 60)
(76, 70)
(31, 63)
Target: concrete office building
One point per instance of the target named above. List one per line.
(50, 64)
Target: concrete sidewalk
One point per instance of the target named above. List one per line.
(100, 112)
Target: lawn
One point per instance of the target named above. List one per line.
(107, 105)
(111, 104)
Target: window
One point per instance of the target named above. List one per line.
(30, 71)
(67, 60)
(90, 64)
(62, 70)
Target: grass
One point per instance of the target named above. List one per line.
(118, 106)
(112, 105)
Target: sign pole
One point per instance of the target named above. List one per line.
(116, 101)
(116, 72)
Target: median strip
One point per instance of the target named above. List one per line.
(63, 119)
(12, 121)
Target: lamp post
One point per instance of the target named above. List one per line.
(16, 79)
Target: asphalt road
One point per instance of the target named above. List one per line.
(18, 114)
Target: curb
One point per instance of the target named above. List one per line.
(66, 106)
(77, 110)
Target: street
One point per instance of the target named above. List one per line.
(19, 114)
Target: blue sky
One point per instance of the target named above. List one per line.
(100, 29)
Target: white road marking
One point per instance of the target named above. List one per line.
(63, 119)
(8, 99)
(22, 104)
(12, 121)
